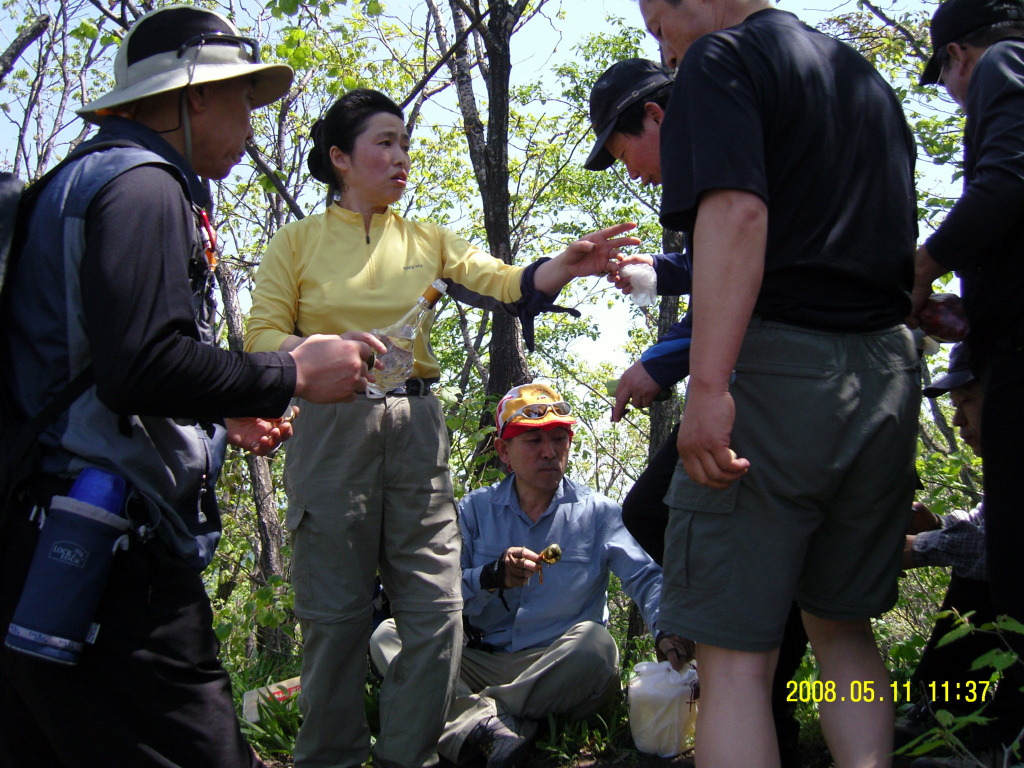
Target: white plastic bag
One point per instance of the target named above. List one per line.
(662, 708)
(644, 281)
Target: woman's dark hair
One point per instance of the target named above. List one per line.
(340, 126)
(631, 120)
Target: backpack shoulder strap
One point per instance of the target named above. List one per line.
(16, 200)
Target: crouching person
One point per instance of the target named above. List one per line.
(537, 551)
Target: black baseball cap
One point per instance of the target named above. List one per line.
(958, 374)
(956, 19)
(622, 84)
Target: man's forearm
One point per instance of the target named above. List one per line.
(729, 242)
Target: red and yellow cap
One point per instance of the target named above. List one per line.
(531, 406)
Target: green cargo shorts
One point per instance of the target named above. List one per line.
(829, 424)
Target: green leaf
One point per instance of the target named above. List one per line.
(223, 630)
(960, 630)
(1008, 624)
(266, 184)
(997, 659)
(944, 717)
(85, 30)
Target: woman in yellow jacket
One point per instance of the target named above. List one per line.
(368, 484)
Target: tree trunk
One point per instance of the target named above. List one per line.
(488, 149)
(269, 640)
(665, 413)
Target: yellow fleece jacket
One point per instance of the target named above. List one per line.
(323, 274)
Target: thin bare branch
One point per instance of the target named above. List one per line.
(442, 60)
(906, 33)
(279, 186)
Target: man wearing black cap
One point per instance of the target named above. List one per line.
(978, 55)
(787, 159)
(115, 292)
(957, 540)
(627, 105)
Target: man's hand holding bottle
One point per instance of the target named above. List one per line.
(332, 369)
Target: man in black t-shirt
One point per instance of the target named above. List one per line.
(627, 107)
(787, 159)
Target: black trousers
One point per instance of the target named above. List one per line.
(645, 516)
(943, 670)
(951, 663)
(150, 691)
(1002, 420)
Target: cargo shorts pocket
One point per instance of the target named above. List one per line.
(699, 541)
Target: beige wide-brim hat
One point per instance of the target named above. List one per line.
(180, 45)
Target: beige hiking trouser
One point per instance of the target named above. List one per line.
(573, 676)
(369, 492)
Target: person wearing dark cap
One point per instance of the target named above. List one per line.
(957, 540)
(798, 300)
(536, 617)
(627, 106)
(978, 55)
(115, 295)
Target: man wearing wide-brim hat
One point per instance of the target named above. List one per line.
(112, 307)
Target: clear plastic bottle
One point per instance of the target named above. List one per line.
(399, 339)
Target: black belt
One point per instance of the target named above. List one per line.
(39, 489)
(415, 387)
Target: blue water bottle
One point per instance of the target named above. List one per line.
(54, 617)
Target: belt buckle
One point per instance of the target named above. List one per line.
(417, 387)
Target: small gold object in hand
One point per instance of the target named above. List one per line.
(550, 555)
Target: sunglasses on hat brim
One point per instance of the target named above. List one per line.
(534, 411)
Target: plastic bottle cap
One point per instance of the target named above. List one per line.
(100, 488)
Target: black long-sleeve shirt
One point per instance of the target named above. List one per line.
(139, 308)
(982, 237)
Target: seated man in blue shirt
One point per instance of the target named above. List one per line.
(538, 644)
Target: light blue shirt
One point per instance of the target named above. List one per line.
(588, 527)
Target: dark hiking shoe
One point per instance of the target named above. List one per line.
(502, 746)
(917, 721)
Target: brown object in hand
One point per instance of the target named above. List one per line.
(551, 554)
(943, 317)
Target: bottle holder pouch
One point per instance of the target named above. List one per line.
(69, 570)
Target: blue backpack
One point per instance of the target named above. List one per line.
(18, 450)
